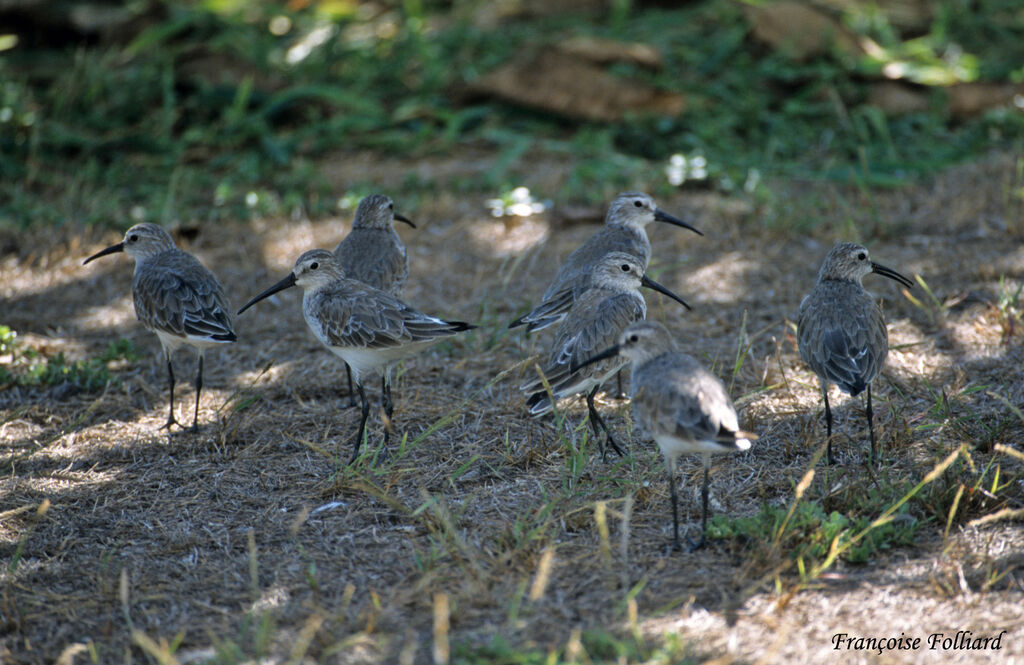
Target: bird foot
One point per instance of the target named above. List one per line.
(609, 442)
(172, 421)
(355, 444)
(694, 546)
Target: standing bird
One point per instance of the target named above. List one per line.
(594, 322)
(681, 405)
(176, 297)
(841, 333)
(373, 253)
(623, 231)
(369, 329)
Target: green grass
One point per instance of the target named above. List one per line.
(809, 532)
(596, 646)
(28, 368)
(145, 131)
(870, 514)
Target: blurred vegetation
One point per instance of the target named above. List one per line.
(223, 109)
(24, 366)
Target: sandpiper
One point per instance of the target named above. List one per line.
(176, 297)
(623, 231)
(373, 252)
(368, 328)
(593, 323)
(841, 332)
(682, 406)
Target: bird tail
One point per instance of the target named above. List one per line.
(738, 439)
(539, 403)
(541, 324)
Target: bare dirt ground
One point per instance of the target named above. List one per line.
(250, 537)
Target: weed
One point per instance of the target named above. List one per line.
(590, 646)
(139, 132)
(934, 308)
(26, 367)
(1008, 307)
(867, 516)
(810, 532)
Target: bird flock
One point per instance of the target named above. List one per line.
(352, 302)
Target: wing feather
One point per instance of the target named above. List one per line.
(174, 293)
(351, 314)
(844, 346)
(593, 325)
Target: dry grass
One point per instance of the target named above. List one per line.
(251, 540)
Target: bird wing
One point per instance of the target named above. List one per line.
(174, 293)
(593, 325)
(357, 315)
(548, 312)
(676, 394)
(380, 262)
(573, 277)
(846, 348)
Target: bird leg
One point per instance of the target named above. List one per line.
(357, 440)
(170, 377)
(670, 465)
(871, 428)
(828, 423)
(704, 509)
(596, 421)
(351, 391)
(619, 394)
(199, 390)
(389, 407)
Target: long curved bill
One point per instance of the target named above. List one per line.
(891, 274)
(285, 283)
(662, 216)
(654, 286)
(405, 219)
(113, 249)
(607, 353)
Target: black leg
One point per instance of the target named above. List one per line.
(704, 508)
(357, 441)
(670, 465)
(871, 428)
(828, 424)
(199, 390)
(351, 391)
(618, 380)
(170, 378)
(596, 421)
(389, 407)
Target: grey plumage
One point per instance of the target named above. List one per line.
(623, 231)
(592, 323)
(176, 297)
(841, 332)
(682, 406)
(373, 253)
(368, 328)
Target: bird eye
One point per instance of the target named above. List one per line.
(634, 338)
(862, 256)
(133, 238)
(391, 206)
(625, 267)
(638, 203)
(314, 265)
